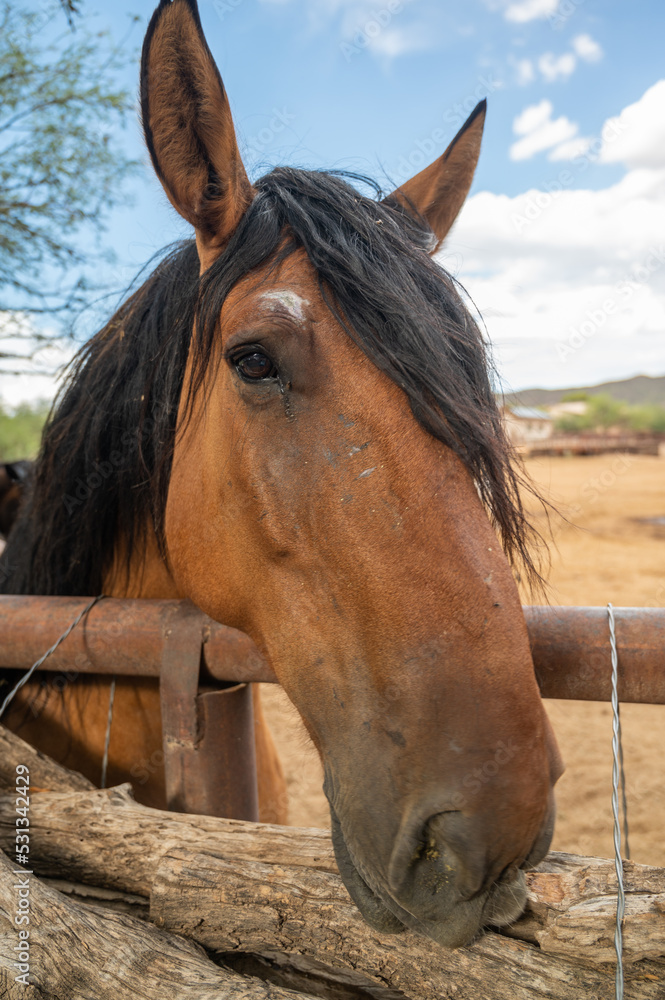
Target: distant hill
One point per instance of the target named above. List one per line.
(641, 389)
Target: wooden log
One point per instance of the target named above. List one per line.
(78, 952)
(44, 772)
(230, 905)
(571, 909)
(105, 838)
(95, 895)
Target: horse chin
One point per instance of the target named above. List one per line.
(372, 907)
(505, 901)
(374, 910)
(501, 905)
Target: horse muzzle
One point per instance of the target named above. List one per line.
(436, 883)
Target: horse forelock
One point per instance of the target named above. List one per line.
(404, 310)
(104, 466)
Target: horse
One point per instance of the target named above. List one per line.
(13, 479)
(291, 423)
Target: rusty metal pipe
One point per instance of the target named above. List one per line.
(571, 653)
(124, 637)
(570, 645)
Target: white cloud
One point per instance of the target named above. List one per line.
(539, 131)
(557, 67)
(525, 72)
(530, 10)
(533, 117)
(587, 48)
(568, 150)
(17, 389)
(571, 283)
(553, 67)
(392, 42)
(365, 26)
(636, 137)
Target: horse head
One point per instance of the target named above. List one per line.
(338, 449)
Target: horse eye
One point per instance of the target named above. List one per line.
(255, 366)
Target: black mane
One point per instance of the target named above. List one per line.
(104, 466)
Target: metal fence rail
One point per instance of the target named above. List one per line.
(571, 653)
(128, 637)
(123, 637)
(204, 669)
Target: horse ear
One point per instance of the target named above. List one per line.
(188, 125)
(438, 192)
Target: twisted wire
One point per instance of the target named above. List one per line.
(35, 666)
(617, 776)
(105, 758)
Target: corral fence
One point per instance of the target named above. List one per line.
(205, 668)
(123, 898)
(596, 444)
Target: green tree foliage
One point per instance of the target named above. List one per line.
(21, 431)
(603, 412)
(576, 396)
(61, 167)
(648, 418)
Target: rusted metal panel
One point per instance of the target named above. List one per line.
(208, 735)
(178, 689)
(227, 754)
(571, 652)
(207, 724)
(231, 655)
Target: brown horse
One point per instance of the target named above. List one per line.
(13, 478)
(315, 465)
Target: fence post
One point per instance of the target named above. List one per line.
(207, 733)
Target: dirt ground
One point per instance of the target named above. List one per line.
(608, 553)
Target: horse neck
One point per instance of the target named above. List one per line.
(146, 574)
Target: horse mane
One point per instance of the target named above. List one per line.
(105, 460)
(108, 440)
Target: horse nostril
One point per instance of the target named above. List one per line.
(463, 852)
(416, 846)
(435, 856)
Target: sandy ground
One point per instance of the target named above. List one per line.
(608, 554)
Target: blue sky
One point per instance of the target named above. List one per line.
(380, 86)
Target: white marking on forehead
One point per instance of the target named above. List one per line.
(289, 299)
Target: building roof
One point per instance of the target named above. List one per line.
(529, 413)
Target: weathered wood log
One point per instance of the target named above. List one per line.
(248, 873)
(44, 772)
(77, 952)
(309, 976)
(230, 905)
(106, 838)
(95, 895)
(571, 909)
